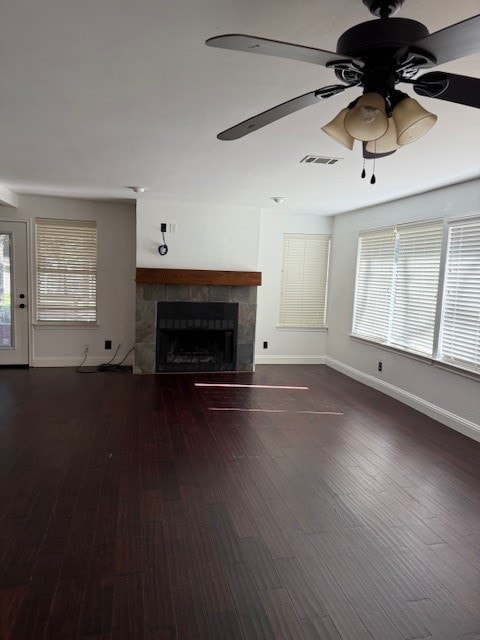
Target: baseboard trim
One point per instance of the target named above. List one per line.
(91, 361)
(468, 428)
(261, 359)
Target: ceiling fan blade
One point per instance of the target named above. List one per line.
(450, 87)
(252, 44)
(457, 41)
(275, 113)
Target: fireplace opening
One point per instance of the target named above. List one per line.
(198, 347)
(193, 336)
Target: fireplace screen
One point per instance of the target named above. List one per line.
(196, 336)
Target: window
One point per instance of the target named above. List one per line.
(399, 279)
(66, 271)
(375, 260)
(459, 341)
(304, 280)
(414, 305)
(397, 284)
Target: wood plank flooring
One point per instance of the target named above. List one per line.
(145, 507)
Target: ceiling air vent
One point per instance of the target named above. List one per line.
(319, 160)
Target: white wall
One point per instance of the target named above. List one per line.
(236, 239)
(284, 345)
(446, 396)
(206, 236)
(115, 285)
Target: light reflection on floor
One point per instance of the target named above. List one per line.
(264, 399)
(247, 386)
(317, 413)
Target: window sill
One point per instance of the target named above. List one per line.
(388, 347)
(66, 325)
(416, 356)
(281, 327)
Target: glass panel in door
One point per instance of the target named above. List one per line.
(6, 333)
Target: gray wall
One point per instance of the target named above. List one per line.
(63, 346)
(447, 396)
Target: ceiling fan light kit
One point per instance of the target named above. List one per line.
(387, 143)
(337, 131)
(367, 120)
(412, 121)
(375, 55)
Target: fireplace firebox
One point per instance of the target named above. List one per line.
(196, 336)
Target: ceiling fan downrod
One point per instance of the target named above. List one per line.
(383, 8)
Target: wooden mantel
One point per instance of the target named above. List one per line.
(203, 277)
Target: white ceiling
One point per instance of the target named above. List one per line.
(97, 95)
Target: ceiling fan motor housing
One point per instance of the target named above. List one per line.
(364, 38)
(387, 50)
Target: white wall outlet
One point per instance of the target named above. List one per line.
(173, 227)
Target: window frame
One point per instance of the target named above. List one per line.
(64, 322)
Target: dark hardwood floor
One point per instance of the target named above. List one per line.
(145, 507)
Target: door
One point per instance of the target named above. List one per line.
(13, 294)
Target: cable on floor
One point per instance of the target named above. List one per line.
(109, 366)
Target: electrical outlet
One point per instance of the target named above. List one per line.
(173, 227)
(163, 227)
(108, 344)
(86, 347)
(265, 345)
(380, 366)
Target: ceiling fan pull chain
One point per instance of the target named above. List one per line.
(373, 179)
(363, 174)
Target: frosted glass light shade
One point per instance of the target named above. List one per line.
(387, 143)
(337, 131)
(367, 120)
(412, 120)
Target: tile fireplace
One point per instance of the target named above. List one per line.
(195, 326)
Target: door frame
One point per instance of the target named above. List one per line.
(29, 267)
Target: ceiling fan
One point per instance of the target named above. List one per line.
(375, 55)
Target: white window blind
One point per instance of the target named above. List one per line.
(418, 253)
(459, 342)
(66, 271)
(373, 288)
(396, 286)
(304, 280)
